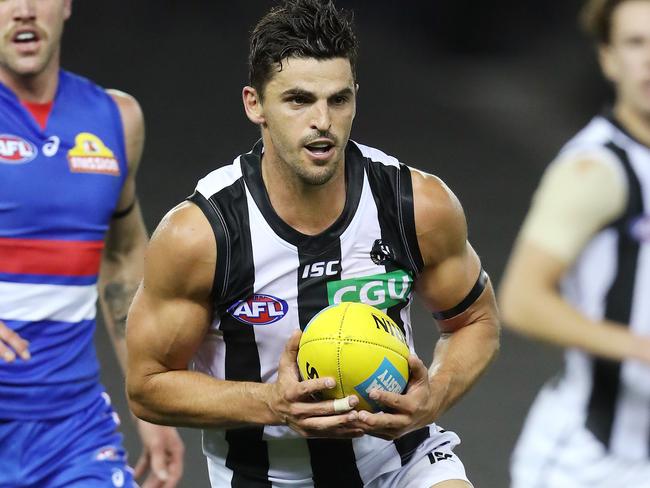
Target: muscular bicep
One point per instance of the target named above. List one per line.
(450, 284)
(171, 311)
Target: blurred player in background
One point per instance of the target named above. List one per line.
(266, 243)
(579, 277)
(69, 153)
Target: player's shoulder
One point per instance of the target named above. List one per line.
(184, 229)
(590, 158)
(183, 247)
(440, 221)
(128, 105)
(434, 200)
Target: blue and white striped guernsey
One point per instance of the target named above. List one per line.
(58, 189)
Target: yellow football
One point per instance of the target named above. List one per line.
(359, 346)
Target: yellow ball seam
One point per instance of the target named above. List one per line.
(338, 348)
(350, 341)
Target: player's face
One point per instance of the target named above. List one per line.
(308, 109)
(626, 60)
(30, 35)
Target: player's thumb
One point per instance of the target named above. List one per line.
(291, 348)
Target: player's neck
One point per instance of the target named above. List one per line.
(38, 88)
(636, 122)
(310, 209)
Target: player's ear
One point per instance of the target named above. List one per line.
(253, 105)
(67, 9)
(608, 62)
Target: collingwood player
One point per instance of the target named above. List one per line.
(579, 277)
(304, 219)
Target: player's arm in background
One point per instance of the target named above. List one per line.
(448, 285)
(168, 320)
(120, 274)
(578, 196)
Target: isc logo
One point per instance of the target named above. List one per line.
(259, 309)
(16, 150)
(321, 268)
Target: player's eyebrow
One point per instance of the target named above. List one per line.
(298, 91)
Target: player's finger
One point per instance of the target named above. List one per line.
(326, 408)
(418, 371)
(159, 463)
(17, 343)
(344, 425)
(7, 354)
(175, 453)
(152, 481)
(142, 465)
(387, 399)
(305, 389)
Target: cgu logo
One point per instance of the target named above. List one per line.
(259, 310)
(16, 150)
(381, 291)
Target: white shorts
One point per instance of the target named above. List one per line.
(556, 450)
(429, 465)
(433, 462)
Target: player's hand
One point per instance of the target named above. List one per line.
(293, 403)
(410, 411)
(12, 344)
(162, 456)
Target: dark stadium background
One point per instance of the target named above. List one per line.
(480, 93)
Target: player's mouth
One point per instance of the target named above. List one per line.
(26, 40)
(321, 149)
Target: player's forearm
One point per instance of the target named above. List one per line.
(460, 358)
(193, 399)
(120, 275)
(116, 291)
(544, 315)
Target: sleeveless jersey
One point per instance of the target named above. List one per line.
(270, 280)
(58, 189)
(611, 280)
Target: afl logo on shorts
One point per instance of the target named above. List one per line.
(259, 310)
(16, 150)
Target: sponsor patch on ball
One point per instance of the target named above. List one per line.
(386, 378)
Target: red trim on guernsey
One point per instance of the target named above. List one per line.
(40, 111)
(47, 257)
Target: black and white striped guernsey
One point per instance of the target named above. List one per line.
(271, 279)
(611, 280)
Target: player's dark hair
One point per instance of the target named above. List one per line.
(302, 29)
(596, 18)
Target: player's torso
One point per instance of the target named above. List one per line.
(611, 280)
(60, 182)
(272, 280)
(277, 279)
(58, 189)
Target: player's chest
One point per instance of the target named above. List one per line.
(68, 167)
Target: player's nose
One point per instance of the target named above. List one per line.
(24, 10)
(321, 119)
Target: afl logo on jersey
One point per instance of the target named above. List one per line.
(259, 310)
(639, 228)
(90, 155)
(16, 150)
